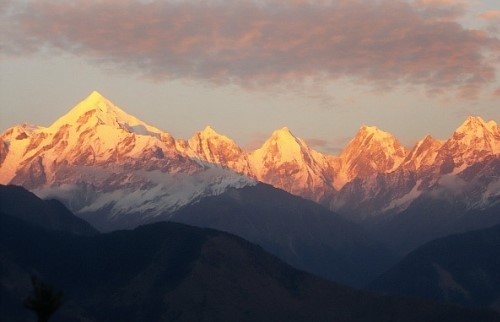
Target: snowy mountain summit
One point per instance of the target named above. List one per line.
(102, 161)
(96, 110)
(108, 165)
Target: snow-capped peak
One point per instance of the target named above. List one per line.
(284, 141)
(209, 136)
(493, 126)
(426, 142)
(100, 111)
(423, 153)
(208, 131)
(472, 142)
(215, 148)
(373, 137)
(284, 134)
(475, 126)
(282, 146)
(283, 131)
(287, 162)
(373, 132)
(372, 150)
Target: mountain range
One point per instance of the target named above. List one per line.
(372, 176)
(118, 172)
(174, 272)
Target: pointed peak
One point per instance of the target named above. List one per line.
(428, 138)
(284, 132)
(368, 128)
(97, 108)
(284, 137)
(492, 125)
(473, 120)
(208, 130)
(95, 95)
(365, 131)
(94, 100)
(427, 141)
(472, 123)
(371, 138)
(209, 133)
(285, 140)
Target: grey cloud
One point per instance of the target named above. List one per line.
(257, 45)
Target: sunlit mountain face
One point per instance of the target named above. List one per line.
(379, 199)
(98, 156)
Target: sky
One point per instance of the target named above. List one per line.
(246, 68)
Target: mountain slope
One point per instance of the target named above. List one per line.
(296, 230)
(51, 214)
(462, 269)
(96, 154)
(117, 171)
(472, 142)
(371, 151)
(214, 148)
(466, 163)
(423, 154)
(287, 162)
(455, 203)
(167, 271)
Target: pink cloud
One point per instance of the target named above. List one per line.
(442, 10)
(440, 2)
(384, 43)
(491, 14)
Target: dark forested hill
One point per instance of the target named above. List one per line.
(173, 272)
(462, 269)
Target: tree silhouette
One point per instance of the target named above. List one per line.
(44, 301)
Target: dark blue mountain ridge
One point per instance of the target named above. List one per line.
(462, 269)
(50, 214)
(174, 272)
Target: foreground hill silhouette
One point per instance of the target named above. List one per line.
(298, 231)
(462, 269)
(173, 272)
(18, 202)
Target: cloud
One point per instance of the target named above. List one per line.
(492, 20)
(448, 186)
(257, 139)
(333, 146)
(491, 14)
(323, 145)
(442, 10)
(262, 44)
